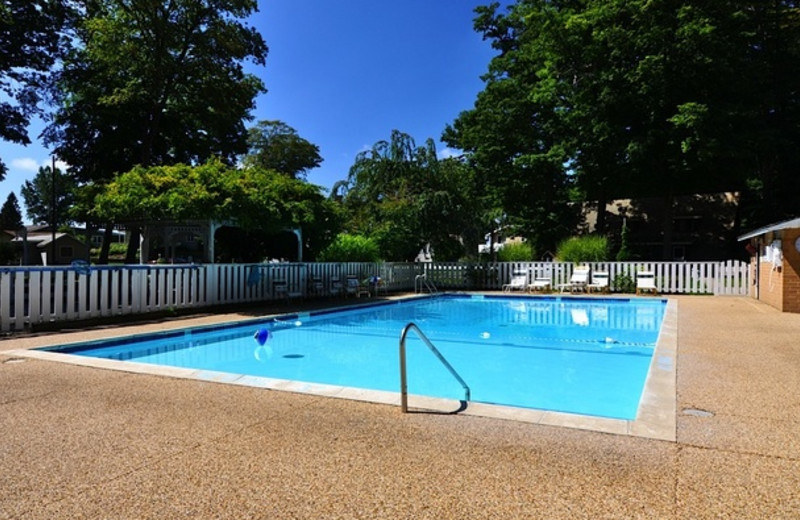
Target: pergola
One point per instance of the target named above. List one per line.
(173, 233)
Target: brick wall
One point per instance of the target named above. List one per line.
(779, 287)
(791, 271)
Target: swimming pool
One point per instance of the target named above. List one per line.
(587, 356)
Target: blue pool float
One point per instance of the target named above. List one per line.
(261, 336)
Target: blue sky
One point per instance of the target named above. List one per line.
(346, 73)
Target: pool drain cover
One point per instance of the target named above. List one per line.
(696, 412)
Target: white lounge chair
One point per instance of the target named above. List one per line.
(599, 282)
(646, 282)
(578, 280)
(539, 284)
(519, 282)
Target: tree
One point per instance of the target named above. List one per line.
(10, 215)
(512, 143)
(38, 197)
(403, 197)
(30, 42)
(596, 99)
(274, 145)
(155, 83)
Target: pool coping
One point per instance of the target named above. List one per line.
(656, 417)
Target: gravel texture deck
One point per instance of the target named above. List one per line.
(79, 442)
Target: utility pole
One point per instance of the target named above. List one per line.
(53, 214)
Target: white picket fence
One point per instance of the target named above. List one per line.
(730, 277)
(35, 295)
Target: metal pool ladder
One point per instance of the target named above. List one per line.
(421, 282)
(403, 379)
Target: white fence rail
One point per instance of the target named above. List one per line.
(35, 295)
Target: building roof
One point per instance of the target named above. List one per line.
(786, 224)
(41, 239)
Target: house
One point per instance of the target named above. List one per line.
(775, 264)
(42, 247)
(703, 226)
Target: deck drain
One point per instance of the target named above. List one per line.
(13, 360)
(696, 412)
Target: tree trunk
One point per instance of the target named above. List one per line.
(108, 234)
(133, 246)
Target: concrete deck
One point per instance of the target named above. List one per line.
(83, 442)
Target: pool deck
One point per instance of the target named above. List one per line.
(86, 442)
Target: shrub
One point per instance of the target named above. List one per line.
(624, 253)
(516, 252)
(590, 248)
(116, 251)
(350, 248)
(624, 283)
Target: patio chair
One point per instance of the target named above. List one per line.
(539, 284)
(599, 282)
(646, 282)
(356, 288)
(518, 282)
(577, 282)
(336, 287)
(317, 287)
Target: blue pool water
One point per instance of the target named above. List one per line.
(581, 355)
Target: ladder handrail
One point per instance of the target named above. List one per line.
(403, 379)
(427, 283)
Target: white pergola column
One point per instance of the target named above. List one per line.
(144, 244)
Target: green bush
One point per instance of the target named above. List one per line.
(624, 254)
(624, 283)
(589, 248)
(516, 252)
(116, 250)
(350, 248)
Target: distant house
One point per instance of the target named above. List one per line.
(37, 247)
(97, 236)
(703, 226)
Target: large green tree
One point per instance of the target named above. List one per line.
(30, 43)
(155, 83)
(404, 196)
(589, 100)
(511, 140)
(274, 145)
